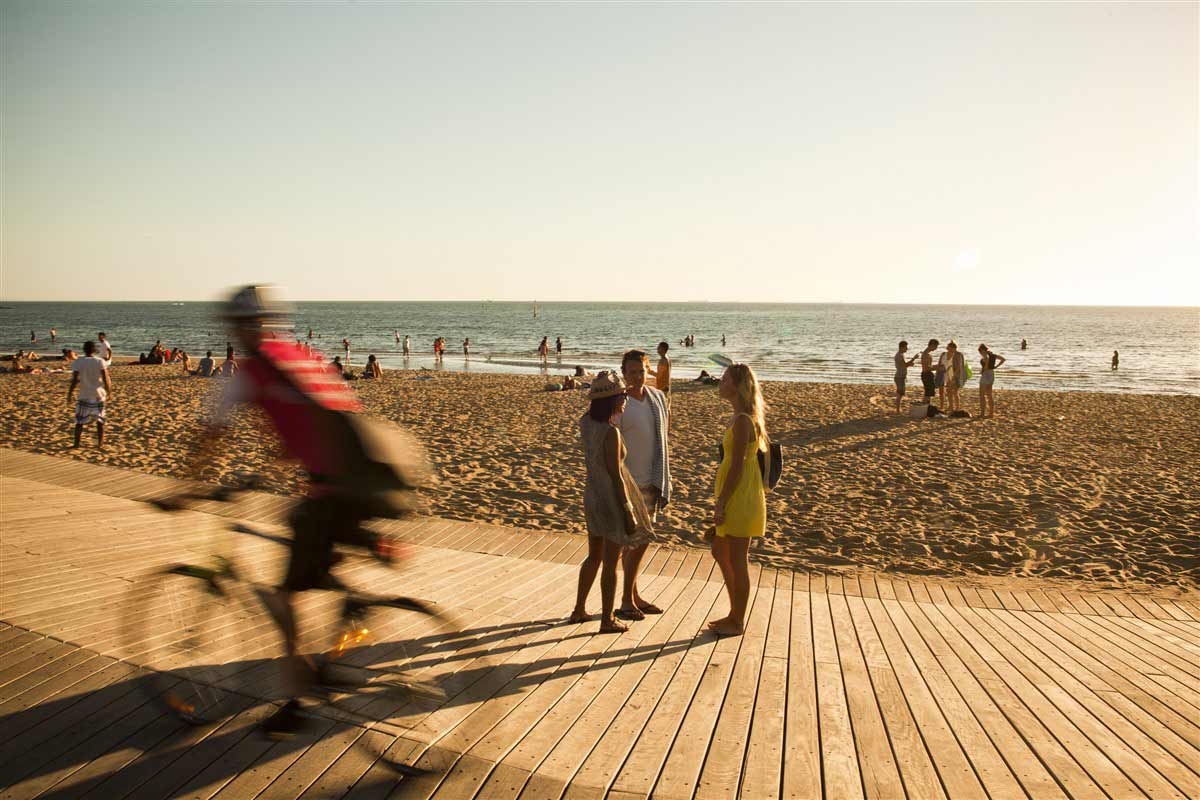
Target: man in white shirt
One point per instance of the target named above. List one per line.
(644, 429)
(105, 347)
(90, 374)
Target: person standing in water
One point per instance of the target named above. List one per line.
(467, 347)
(1116, 362)
(722, 340)
(928, 380)
(407, 346)
(544, 348)
(988, 361)
(901, 376)
(1024, 345)
(53, 336)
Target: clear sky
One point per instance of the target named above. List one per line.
(934, 152)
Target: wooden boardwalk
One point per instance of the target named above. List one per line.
(843, 687)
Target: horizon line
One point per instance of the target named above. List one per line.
(667, 303)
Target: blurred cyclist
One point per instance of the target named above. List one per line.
(357, 469)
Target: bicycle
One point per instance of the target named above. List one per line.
(200, 628)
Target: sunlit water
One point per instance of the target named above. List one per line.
(1070, 348)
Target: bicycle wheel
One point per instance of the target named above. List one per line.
(192, 627)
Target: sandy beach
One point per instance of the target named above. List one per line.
(1099, 487)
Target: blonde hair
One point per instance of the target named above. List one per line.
(750, 394)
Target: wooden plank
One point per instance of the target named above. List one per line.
(839, 758)
(876, 764)
(912, 756)
(801, 741)
(985, 759)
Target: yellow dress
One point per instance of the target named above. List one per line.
(746, 509)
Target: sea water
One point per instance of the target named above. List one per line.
(1070, 348)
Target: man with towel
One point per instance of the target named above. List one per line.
(644, 427)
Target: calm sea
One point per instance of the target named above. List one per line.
(1070, 348)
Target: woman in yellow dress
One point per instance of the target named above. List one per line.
(741, 507)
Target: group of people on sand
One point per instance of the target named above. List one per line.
(947, 377)
(625, 438)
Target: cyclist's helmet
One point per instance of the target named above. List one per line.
(261, 304)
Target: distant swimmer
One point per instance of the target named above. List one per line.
(722, 340)
(53, 336)
(1024, 345)
(310, 333)
(32, 336)
(1116, 362)
(397, 333)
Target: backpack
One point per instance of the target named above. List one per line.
(382, 466)
(770, 463)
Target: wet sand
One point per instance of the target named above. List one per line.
(1099, 487)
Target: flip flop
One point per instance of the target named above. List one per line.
(632, 614)
(650, 608)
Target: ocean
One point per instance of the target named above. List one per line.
(1070, 348)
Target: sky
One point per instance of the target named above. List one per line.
(1027, 153)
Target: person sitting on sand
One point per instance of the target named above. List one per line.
(740, 512)
(988, 361)
(613, 508)
(32, 356)
(206, 365)
(229, 366)
(372, 370)
(186, 360)
(956, 376)
(705, 378)
(69, 355)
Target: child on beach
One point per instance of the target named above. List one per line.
(988, 361)
(740, 513)
(613, 508)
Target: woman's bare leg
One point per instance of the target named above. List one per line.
(737, 553)
(587, 576)
(608, 588)
(720, 550)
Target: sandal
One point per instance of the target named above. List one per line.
(649, 608)
(632, 614)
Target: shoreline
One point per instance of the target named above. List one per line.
(1086, 486)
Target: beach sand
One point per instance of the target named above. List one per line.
(1099, 487)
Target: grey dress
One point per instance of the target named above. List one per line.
(601, 507)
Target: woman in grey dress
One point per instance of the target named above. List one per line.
(613, 507)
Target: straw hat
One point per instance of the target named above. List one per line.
(607, 383)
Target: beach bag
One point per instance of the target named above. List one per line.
(770, 463)
(961, 414)
(919, 410)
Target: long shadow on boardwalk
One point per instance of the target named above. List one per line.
(142, 747)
